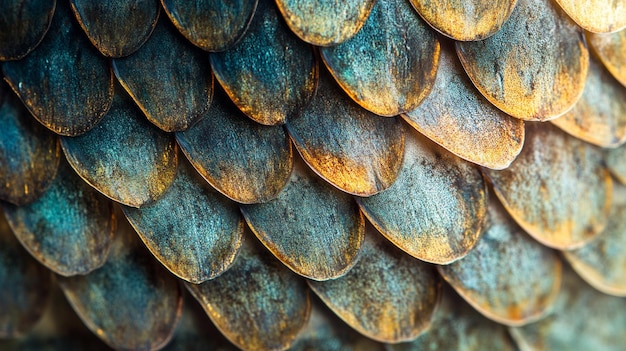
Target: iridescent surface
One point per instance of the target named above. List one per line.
(353, 149)
(599, 117)
(65, 83)
(151, 298)
(611, 50)
(602, 263)
(465, 20)
(258, 304)
(117, 28)
(596, 15)
(23, 25)
(436, 209)
(325, 22)
(69, 229)
(534, 68)
(191, 229)
(124, 157)
(387, 296)
(456, 326)
(172, 102)
(532, 271)
(212, 25)
(456, 116)
(581, 319)
(29, 154)
(269, 74)
(242, 159)
(544, 188)
(313, 228)
(376, 69)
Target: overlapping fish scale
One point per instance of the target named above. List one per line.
(302, 105)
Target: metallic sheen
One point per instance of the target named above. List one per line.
(269, 74)
(23, 25)
(598, 16)
(212, 25)
(117, 28)
(611, 50)
(124, 157)
(65, 83)
(387, 296)
(325, 22)
(599, 117)
(465, 20)
(534, 68)
(69, 229)
(29, 154)
(581, 319)
(352, 148)
(192, 230)
(545, 188)
(172, 102)
(508, 276)
(456, 116)
(131, 302)
(313, 228)
(435, 211)
(246, 161)
(602, 262)
(258, 304)
(389, 67)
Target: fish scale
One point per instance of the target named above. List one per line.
(236, 241)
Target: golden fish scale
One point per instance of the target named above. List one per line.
(300, 212)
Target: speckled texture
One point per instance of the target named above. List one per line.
(534, 68)
(465, 20)
(29, 154)
(172, 102)
(508, 276)
(599, 117)
(58, 329)
(456, 116)
(117, 27)
(313, 228)
(25, 286)
(247, 162)
(326, 332)
(611, 50)
(596, 16)
(388, 295)
(124, 157)
(456, 326)
(270, 74)
(212, 25)
(545, 188)
(69, 229)
(389, 67)
(23, 25)
(616, 162)
(151, 298)
(65, 83)
(436, 209)
(602, 263)
(192, 230)
(325, 22)
(581, 319)
(258, 304)
(353, 149)
(196, 332)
